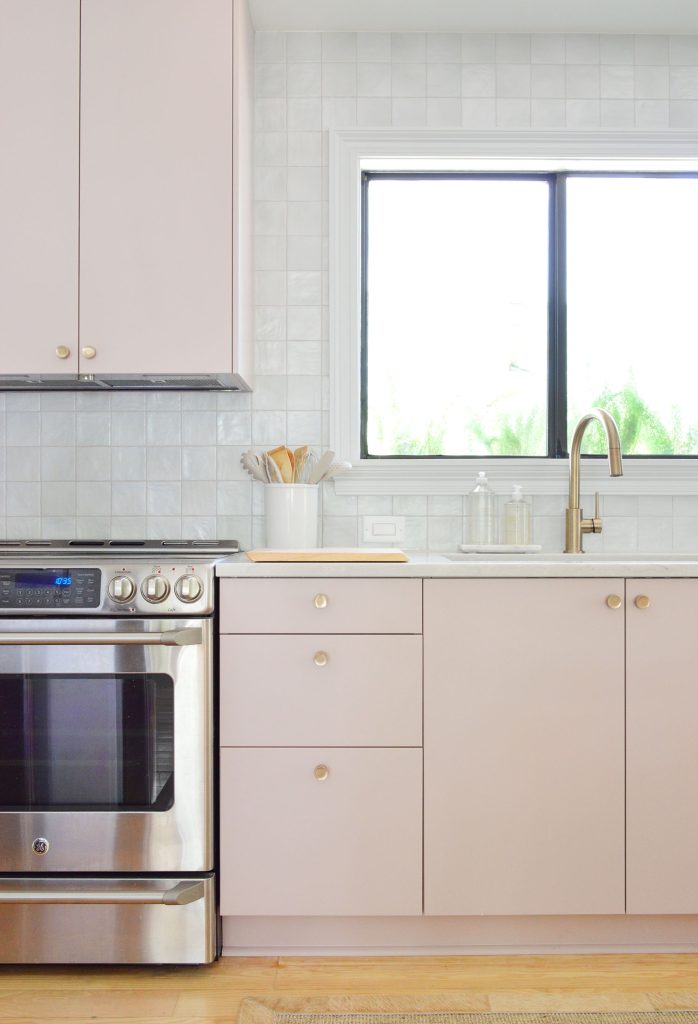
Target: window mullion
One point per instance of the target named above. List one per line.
(364, 314)
(557, 355)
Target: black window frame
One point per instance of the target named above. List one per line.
(557, 425)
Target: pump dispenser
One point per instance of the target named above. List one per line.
(517, 518)
(482, 512)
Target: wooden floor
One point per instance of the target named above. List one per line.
(212, 995)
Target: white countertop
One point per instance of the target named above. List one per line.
(486, 566)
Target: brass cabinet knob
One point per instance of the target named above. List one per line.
(321, 600)
(642, 601)
(321, 658)
(89, 352)
(62, 351)
(321, 772)
(614, 601)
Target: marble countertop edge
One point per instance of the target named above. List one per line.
(440, 565)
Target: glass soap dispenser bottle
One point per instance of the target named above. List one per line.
(482, 512)
(517, 518)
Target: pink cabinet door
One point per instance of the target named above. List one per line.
(295, 844)
(156, 186)
(523, 747)
(322, 690)
(662, 739)
(39, 115)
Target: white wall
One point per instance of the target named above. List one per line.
(167, 465)
(308, 82)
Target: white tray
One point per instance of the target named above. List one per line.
(500, 549)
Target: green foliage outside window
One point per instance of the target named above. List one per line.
(642, 431)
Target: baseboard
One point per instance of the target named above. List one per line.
(457, 936)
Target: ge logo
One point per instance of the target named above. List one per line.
(40, 846)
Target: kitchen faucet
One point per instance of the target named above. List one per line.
(575, 525)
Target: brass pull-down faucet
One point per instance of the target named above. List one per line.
(575, 525)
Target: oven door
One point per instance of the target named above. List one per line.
(105, 745)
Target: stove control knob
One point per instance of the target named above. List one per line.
(189, 588)
(121, 589)
(155, 589)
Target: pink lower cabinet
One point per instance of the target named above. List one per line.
(524, 747)
(662, 699)
(321, 831)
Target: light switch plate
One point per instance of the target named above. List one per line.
(384, 529)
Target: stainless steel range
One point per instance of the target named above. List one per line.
(106, 752)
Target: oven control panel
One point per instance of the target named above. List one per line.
(50, 589)
(160, 588)
(113, 587)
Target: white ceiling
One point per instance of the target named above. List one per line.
(614, 16)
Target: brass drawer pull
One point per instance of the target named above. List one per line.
(62, 351)
(642, 601)
(321, 601)
(614, 601)
(321, 772)
(321, 658)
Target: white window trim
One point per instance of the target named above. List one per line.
(351, 151)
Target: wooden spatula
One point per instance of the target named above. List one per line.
(283, 457)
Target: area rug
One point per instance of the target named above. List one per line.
(355, 1010)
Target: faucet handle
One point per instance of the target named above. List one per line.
(597, 523)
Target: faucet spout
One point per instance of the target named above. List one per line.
(575, 525)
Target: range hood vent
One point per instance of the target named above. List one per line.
(125, 382)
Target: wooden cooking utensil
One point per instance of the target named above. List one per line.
(283, 457)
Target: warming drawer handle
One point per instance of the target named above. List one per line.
(178, 896)
(170, 638)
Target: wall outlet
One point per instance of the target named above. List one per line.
(384, 529)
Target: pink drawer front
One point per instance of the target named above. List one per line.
(346, 844)
(321, 690)
(321, 606)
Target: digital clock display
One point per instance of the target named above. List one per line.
(35, 580)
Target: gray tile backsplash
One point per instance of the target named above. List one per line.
(168, 465)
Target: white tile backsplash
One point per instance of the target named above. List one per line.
(443, 47)
(513, 49)
(548, 80)
(617, 49)
(582, 49)
(547, 49)
(655, 534)
(168, 465)
(651, 50)
(408, 47)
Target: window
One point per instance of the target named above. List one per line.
(497, 307)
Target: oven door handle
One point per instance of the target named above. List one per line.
(168, 638)
(178, 896)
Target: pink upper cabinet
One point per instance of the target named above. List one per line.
(523, 747)
(39, 116)
(156, 183)
(662, 747)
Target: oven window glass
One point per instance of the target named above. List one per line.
(98, 742)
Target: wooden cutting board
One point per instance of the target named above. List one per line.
(329, 555)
